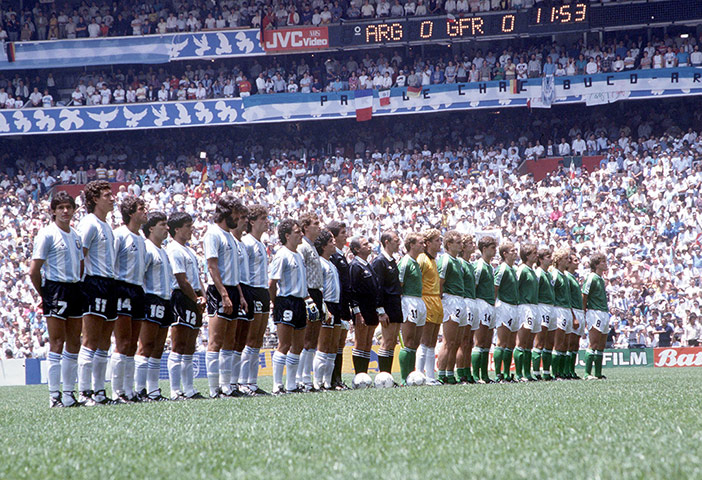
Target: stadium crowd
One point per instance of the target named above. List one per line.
(642, 206)
(344, 71)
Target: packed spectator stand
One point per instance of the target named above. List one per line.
(459, 170)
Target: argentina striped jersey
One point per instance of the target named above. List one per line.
(130, 252)
(221, 245)
(288, 268)
(258, 262)
(158, 276)
(183, 260)
(332, 286)
(61, 252)
(97, 237)
(243, 257)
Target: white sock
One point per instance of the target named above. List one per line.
(301, 367)
(187, 373)
(292, 364)
(331, 360)
(175, 361)
(152, 376)
(69, 369)
(129, 376)
(319, 364)
(142, 367)
(118, 362)
(54, 372)
(279, 361)
(311, 353)
(99, 369)
(421, 357)
(245, 368)
(212, 361)
(225, 369)
(236, 368)
(430, 362)
(85, 368)
(253, 368)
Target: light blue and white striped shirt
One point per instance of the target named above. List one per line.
(243, 256)
(183, 260)
(258, 262)
(288, 268)
(98, 238)
(221, 245)
(332, 286)
(130, 253)
(158, 276)
(61, 252)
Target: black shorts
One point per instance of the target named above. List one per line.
(290, 311)
(334, 310)
(62, 300)
(130, 300)
(370, 317)
(393, 307)
(318, 299)
(248, 296)
(214, 302)
(261, 300)
(185, 311)
(100, 297)
(158, 310)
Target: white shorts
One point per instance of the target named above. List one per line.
(507, 315)
(486, 313)
(598, 320)
(529, 317)
(564, 319)
(548, 317)
(454, 309)
(414, 310)
(472, 312)
(580, 317)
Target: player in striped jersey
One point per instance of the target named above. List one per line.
(564, 313)
(485, 299)
(288, 291)
(507, 316)
(130, 255)
(528, 309)
(464, 350)
(455, 316)
(338, 258)
(329, 335)
(543, 343)
(596, 314)
(431, 289)
(258, 280)
(576, 304)
(235, 339)
(224, 294)
(55, 272)
(188, 304)
(158, 311)
(99, 298)
(414, 310)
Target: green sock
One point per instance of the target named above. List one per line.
(589, 360)
(461, 372)
(518, 360)
(475, 362)
(536, 360)
(546, 360)
(507, 362)
(497, 357)
(599, 356)
(403, 358)
(484, 359)
(573, 362)
(526, 363)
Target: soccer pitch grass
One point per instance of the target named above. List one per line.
(640, 423)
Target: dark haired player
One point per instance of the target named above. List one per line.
(507, 293)
(596, 314)
(528, 308)
(338, 229)
(543, 344)
(188, 304)
(55, 272)
(414, 310)
(130, 253)
(485, 300)
(99, 293)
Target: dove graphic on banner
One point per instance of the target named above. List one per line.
(244, 43)
(44, 122)
(202, 113)
(72, 118)
(224, 45)
(133, 119)
(161, 115)
(176, 48)
(104, 118)
(226, 113)
(202, 44)
(22, 122)
(183, 115)
(4, 126)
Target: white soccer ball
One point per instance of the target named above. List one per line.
(361, 381)
(416, 379)
(384, 380)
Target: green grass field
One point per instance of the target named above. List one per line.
(640, 423)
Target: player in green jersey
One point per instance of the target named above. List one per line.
(528, 308)
(414, 311)
(463, 355)
(596, 314)
(507, 293)
(578, 316)
(485, 299)
(564, 313)
(455, 316)
(543, 344)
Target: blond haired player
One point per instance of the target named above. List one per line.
(431, 294)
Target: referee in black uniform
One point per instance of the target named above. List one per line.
(388, 276)
(338, 229)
